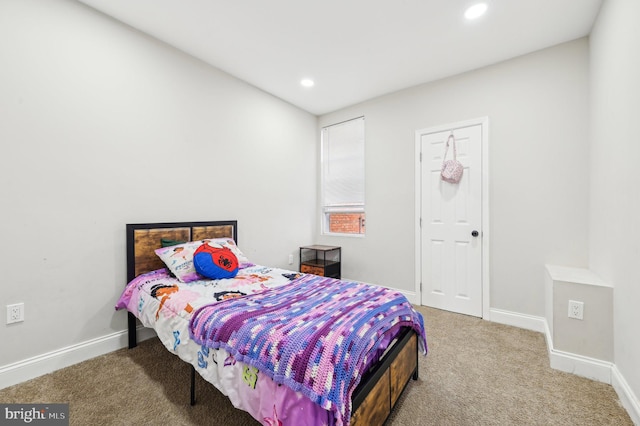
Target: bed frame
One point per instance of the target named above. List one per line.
(380, 387)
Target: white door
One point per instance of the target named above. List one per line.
(451, 222)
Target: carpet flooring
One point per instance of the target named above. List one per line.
(476, 373)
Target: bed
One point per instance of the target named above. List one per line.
(190, 317)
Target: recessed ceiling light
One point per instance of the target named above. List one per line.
(475, 11)
(307, 82)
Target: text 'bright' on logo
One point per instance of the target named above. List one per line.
(37, 414)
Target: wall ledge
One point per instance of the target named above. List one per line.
(576, 275)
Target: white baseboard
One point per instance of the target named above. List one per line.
(411, 296)
(30, 368)
(627, 398)
(528, 322)
(571, 363)
(590, 368)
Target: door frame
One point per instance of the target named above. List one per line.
(484, 122)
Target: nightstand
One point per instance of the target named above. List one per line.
(321, 260)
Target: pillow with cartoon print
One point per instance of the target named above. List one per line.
(231, 245)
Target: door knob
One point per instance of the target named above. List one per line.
(474, 233)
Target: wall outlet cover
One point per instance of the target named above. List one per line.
(15, 313)
(576, 309)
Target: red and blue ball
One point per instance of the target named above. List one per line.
(215, 262)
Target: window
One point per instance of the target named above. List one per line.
(342, 162)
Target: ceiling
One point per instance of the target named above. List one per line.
(354, 50)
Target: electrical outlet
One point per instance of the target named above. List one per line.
(15, 313)
(290, 259)
(576, 309)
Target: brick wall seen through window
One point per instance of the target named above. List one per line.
(346, 223)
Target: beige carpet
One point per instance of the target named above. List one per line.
(476, 373)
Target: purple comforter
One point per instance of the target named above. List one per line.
(315, 335)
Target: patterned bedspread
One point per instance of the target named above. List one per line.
(165, 304)
(314, 335)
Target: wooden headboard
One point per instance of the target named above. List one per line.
(144, 238)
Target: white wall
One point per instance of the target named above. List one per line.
(538, 171)
(102, 126)
(615, 174)
(98, 123)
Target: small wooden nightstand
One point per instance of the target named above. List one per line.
(321, 260)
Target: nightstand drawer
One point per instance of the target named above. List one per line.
(308, 269)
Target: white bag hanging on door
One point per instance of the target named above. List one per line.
(451, 169)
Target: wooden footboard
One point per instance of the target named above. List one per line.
(380, 389)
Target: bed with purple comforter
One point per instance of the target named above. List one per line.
(288, 348)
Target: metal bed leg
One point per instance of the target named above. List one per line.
(193, 385)
(131, 321)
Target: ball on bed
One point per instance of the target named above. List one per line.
(215, 262)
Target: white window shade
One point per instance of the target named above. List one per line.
(343, 165)
(343, 178)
